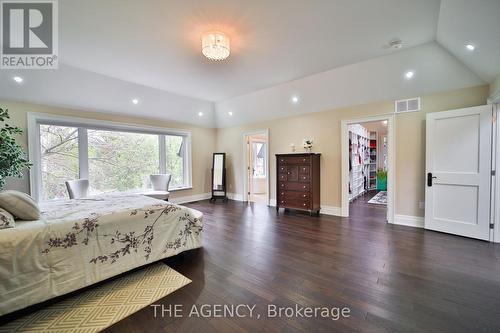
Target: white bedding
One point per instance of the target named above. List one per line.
(80, 242)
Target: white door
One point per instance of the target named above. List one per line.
(458, 171)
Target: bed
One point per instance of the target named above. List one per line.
(77, 243)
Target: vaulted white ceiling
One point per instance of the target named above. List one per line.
(324, 50)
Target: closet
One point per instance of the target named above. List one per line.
(362, 160)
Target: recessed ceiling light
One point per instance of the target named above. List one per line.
(230, 113)
(295, 99)
(470, 47)
(396, 43)
(135, 101)
(18, 79)
(384, 122)
(409, 75)
(200, 114)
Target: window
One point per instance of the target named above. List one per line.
(59, 159)
(174, 149)
(259, 152)
(121, 161)
(114, 157)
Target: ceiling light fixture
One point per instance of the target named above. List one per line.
(18, 79)
(215, 45)
(409, 75)
(200, 114)
(470, 47)
(135, 101)
(295, 99)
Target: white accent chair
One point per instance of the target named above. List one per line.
(159, 184)
(78, 188)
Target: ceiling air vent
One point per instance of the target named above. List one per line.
(408, 105)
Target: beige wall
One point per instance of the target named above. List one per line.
(324, 127)
(203, 141)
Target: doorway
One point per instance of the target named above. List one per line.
(368, 167)
(256, 167)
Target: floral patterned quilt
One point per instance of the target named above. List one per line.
(80, 242)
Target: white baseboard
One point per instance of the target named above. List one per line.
(235, 196)
(191, 198)
(331, 210)
(327, 210)
(410, 221)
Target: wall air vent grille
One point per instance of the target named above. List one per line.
(408, 105)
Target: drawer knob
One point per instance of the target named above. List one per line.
(305, 177)
(282, 185)
(282, 193)
(304, 159)
(303, 195)
(303, 204)
(282, 160)
(304, 186)
(289, 173)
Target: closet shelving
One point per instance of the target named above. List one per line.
(359, 160)
(372, 182)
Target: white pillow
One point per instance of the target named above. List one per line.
(20, 204)
(6, 219)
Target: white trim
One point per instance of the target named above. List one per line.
(325, 209)
(496, 179)
(235, 196)
(245, 162)
(35, 119)
(331, 210)
(191, 198)
(391, 162)
(409, 221)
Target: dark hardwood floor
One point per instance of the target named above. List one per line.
(393, 278)
(361, 207)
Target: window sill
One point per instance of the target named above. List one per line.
(180, 189)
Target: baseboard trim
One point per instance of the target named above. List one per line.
(331, 210)
(409, 220)
(327, 210)
(190, 198)
(235, 196)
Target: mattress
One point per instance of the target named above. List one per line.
(77, 243)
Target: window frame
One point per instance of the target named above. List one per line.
(84, 124)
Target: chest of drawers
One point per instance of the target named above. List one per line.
(298, 181)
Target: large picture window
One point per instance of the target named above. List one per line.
(114, 157)
(121, 161)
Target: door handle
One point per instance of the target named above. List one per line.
(430, 178)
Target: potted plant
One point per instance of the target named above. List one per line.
(13, 159)
(307, 144)
(382, 180)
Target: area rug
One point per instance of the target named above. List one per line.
(380, 198)
(104, 305)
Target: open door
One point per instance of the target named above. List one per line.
(458, 170)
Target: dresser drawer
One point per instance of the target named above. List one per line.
(304, 178)
(282, 169)
(293, 195)
(304, 169)
(294, 186)
(293, 160)
(301, 204)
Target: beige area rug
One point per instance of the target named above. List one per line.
(104, 305)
